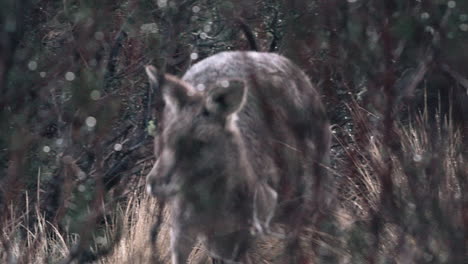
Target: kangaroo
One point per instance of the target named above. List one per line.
(244, 140)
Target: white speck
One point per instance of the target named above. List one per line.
(81, 175)
(417, 158)
(81, 188)
(200, 87)
(90, 21)
(46, 149)
(352, 1)
(203, 35)
(95, 95)
(196, 9)
(194, 56)
(149, 28)
(425, 15)
(324, 45)
(101, 240)
(162, 3)
(91, 121)
(463, 27)
(207, 28)
(118, 147)
(70, 76)
(191, 92)
(32, 65)
(451, 4)
(429, 29)
(148, 188)
(42, 74)
(225, 84)
(59, 141)
(98, 35)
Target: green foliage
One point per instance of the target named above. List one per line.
(151, 128)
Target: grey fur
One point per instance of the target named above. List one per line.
(244, 141)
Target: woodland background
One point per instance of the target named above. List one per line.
(76, 122)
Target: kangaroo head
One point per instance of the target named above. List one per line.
(198, 141)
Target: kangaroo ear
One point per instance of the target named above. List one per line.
(152, 75)
(265, 201)
(176, 92)
(226, 98)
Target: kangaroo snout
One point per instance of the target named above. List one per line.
(161, 190)
(160, 180)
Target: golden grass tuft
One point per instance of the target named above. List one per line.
(415, 217)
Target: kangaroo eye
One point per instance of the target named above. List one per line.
(197, 144)
(205, 113)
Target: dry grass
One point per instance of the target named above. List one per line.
(414, 215)
(135, 246)
(399, 238)
(414, 218)
(39, 243)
